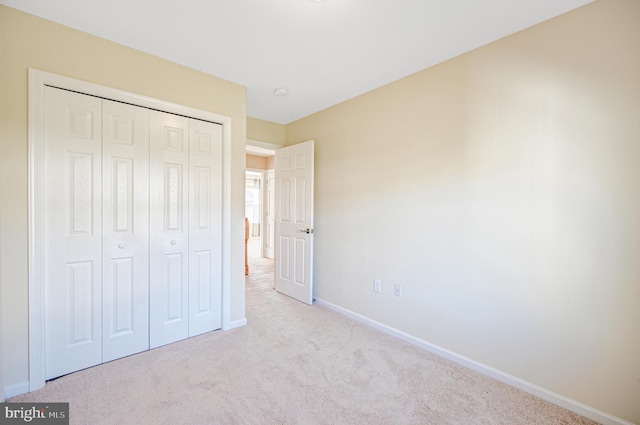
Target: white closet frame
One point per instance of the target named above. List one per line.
(37, 82)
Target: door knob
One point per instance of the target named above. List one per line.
(120, 245)
(173, 242)
(307, 231)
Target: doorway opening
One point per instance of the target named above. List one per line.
(292, 218)
(259, 211)
(253, 208)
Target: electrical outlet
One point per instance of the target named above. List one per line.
(377, 286)
(397, 289)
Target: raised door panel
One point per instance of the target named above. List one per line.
(205, 224)
(72, 232)
(125, 226)
(169, 228)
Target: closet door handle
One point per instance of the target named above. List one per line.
(173, 242)
(120, 245)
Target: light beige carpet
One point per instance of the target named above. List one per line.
(292, 364)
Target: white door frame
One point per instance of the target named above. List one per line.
(37, 82)
(261, 172)
(265, 203)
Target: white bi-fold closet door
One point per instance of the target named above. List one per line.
(132, 229)
(185, 227)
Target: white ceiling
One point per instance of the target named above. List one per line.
(322, 52)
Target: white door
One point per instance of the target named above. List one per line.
(132, 229)
(169, 228)
(186, 228)
(125, 229)
(72, 232)
(205, 226)
(294, 221)
(269, 214)
(96, 226)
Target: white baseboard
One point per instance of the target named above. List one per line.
(235, 324)
(567, 403)
(16, 389)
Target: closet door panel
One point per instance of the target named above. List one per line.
(125, 182)
(205, 222)
(72, 232)
(169, 227)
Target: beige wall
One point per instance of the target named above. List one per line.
(501, 189)
(27, 41)
(256, 162)
(265, 131)
(260, 162)
(271, 163)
